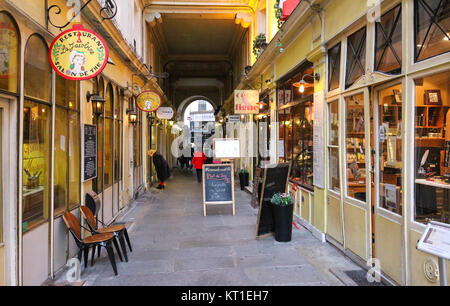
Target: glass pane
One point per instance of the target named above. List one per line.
(109, 101)
(74, 159)
(390, 148)
(9, 46)
(36, 163)
(281, 142)
(60, 171)
(388, 49)
(355, 144)
(288, 135)
(37, 75)
(118, 151)
(432, 27)
(302, 165)
(1, 175)
(98, 182)
(356, 57)
(108, 173)
(333, 122)
(334, 176)
(432, 154)
(334, 67)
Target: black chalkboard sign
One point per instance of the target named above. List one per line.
(275, 180)
(218, 185)
(89, 152)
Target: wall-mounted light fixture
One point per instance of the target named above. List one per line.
(302, 85)
(98, 103)
(131, 111)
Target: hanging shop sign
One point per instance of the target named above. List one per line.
(78, 54)
(246, 102)
(165, 113)
(148, 101)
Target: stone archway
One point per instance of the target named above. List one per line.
(183, 105)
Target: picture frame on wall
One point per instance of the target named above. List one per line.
(397, 96)
(433, 97)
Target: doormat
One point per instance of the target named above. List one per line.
(354, 278)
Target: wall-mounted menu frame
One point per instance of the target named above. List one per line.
(89, 152)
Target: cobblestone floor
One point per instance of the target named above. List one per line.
(174, 245)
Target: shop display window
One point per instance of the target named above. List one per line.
(36, 163)
(432, 153)
(38, 72)
(118, 125)
(97, 183)
(334, 67)
(390, 146)
(109, 130)
(282, 119)
(432, 28)
(355, 147)
(356, 57)
(333, 146)
(9, 53)
(388, 42)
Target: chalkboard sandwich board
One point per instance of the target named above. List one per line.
(275, 179)
(89, 152)
(218, 185)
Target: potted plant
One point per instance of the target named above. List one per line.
(283, 212)
(243, 178)
(259, 44)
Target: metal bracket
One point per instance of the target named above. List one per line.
(109, 9)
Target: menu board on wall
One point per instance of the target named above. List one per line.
(89, 152)
(319, 160)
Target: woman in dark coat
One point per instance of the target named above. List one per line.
(161, 166)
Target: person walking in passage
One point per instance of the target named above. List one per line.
(161, 166)
(197, 161)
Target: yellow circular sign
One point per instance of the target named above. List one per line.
(148, 101)
(78, 54)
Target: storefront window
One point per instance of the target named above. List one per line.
(36, 134)
(432, 154)
(302, 162)
(108, 165)
(118, 123)
(36, 163)
(333, 146)
(432, 28)
(37, 73)
(356, 57)
(388, 44)
(67, 146)
(355, 144)
(390, 148)
(334, 67)
(281, 142)
(9, 46)
(97, 183)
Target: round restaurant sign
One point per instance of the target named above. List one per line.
(78, 54)
(148, 101)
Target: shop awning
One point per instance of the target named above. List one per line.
(288, 7)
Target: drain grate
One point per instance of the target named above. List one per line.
(360, 278)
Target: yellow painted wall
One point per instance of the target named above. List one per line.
(294, 53)
(334, 219)
(305, 205)
(340, 14)
(417, 261)
(34, 8)
(355, 230)
(388, 247)
(2, 266)
(319, 209)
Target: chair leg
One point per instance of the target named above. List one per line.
(124, 247)
(111, 257)
(116, 245)
(128, 239)
(99, 250)
(93, 254)
(86, 254)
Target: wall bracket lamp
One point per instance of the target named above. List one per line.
(303, 84)
(98, 103)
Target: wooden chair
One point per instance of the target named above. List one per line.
(100, 240)
(119, 231)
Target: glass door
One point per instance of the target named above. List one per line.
(387, 127)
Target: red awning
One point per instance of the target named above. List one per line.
(288, 7)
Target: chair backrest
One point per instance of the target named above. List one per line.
(88, 216)
(72, 224)
(93, 202)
